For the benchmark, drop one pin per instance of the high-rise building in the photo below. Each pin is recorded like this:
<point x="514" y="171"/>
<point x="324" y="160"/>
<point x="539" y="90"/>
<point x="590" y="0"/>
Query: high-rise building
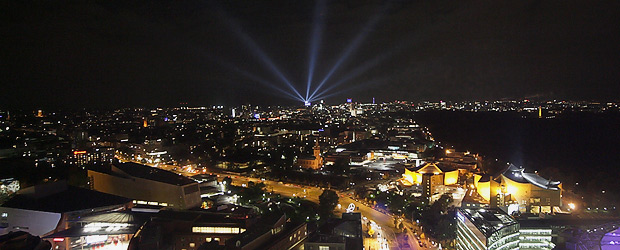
<point x="487" y="229"/>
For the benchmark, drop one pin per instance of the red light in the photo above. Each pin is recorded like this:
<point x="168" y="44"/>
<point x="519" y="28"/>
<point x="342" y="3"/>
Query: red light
<point x="59" y="239"/>
<point x="79" y="152"/>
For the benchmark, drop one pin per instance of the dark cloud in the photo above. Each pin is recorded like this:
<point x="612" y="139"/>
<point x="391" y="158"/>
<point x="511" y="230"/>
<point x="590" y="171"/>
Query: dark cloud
<point x="126" y="53"/>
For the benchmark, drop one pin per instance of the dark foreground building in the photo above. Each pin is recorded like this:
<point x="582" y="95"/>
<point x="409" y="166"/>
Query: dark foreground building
<point x="338" y="234"/>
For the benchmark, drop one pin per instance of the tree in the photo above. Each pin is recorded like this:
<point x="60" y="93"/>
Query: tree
<point x="396" y="204"/>
<point x="437" y="222"/>
<point x="445" y="230"/>
<point x="254" y="191"/>
<point x="441" y="205"/>
<point x="327" y="202"/>
<point x="340" y="167"/>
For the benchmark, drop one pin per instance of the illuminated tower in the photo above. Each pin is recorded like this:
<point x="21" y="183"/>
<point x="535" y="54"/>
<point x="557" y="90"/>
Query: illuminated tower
<point x="313" y="162"/>
<point x="317" y="155"/>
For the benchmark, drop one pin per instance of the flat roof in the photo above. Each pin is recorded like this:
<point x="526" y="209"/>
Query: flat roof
<point x="488" y="220"/>
<point x="128" y="217"/>
<point x="152" y="173"/>
<point x="64" y="198"/>
<point x="200" y="218"/>
<point x="78" y="231"/>
<point x="432" y="167"/>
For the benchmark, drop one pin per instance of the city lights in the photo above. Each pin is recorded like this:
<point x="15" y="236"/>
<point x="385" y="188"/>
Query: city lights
<point x="307" y="125"/>
<point x="572" y="206"/>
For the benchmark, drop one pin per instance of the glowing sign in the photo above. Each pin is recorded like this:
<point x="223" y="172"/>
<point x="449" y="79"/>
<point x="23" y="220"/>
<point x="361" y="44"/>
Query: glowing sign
<point x="351" y="208"/>
<point x="79" y="152"/>
<point x="307" y="103"/>
<point x="59" y="239"/>
<point x="349" y="100"/>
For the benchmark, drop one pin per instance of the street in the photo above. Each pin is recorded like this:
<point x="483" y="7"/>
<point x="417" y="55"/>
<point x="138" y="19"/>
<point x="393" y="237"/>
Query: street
<point x="384" y="222"/>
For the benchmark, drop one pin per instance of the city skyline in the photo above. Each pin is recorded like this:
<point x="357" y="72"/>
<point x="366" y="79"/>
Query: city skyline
<point x="317" y="125"/>
<point x="118" y="54"/>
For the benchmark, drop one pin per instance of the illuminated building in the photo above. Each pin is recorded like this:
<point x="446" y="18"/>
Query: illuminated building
<point x="461" y="160"/>
<point x="313" y="162"/>
<point x="188" y="229"/>
<point x="224" y="227"/>
<point x="270" y="232"/>
<point x="9" y="186"/>
<point x="147" y="185"/>
<point x="110" y="230"/>
<point x="430" y="176"/>
<point x="99" y="155"/>
<point x="611" y="240"/>
<point x="491" y="229"/>
<point x="80" y="158"/>
<point x="515" y="190"/>
<point x="539" y="112"/>
<point x="535" y="234"/>
<point x="49" y="210"/>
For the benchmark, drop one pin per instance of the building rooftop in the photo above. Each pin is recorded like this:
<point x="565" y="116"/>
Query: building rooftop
<point x="58" y="197"/>
<point x="114" y="217"/>
<point x="432" y="168"/>
<point x="488" y="221"/>
<point x="519" y="175"/>
<point x="347" y="230"/>
<point x="201" y="218"/>
<point x="264" y="225"/>
<point x="152" y="173"/>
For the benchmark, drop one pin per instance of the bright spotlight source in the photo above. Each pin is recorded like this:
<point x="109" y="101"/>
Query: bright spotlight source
<point x="571" y="206"/>
<point x="307" y="103"/>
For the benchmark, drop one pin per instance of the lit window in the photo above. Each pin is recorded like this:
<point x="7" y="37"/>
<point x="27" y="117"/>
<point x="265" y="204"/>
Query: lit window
<point x="218" y="230"/>
<point x="4" y="215"/>
<point x="323" y="247"/>
<point x="208" y="239"/>
<point x="192" y="244"/>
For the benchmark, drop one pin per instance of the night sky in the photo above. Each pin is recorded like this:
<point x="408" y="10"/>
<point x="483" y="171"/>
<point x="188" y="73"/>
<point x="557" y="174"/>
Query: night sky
<point x="58" y="54"/>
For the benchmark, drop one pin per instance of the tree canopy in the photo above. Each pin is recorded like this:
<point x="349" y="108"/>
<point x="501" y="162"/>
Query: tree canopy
<point x="327" y="202"/>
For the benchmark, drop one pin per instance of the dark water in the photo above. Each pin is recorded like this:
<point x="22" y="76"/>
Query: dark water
<point x="576" y="147"/>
